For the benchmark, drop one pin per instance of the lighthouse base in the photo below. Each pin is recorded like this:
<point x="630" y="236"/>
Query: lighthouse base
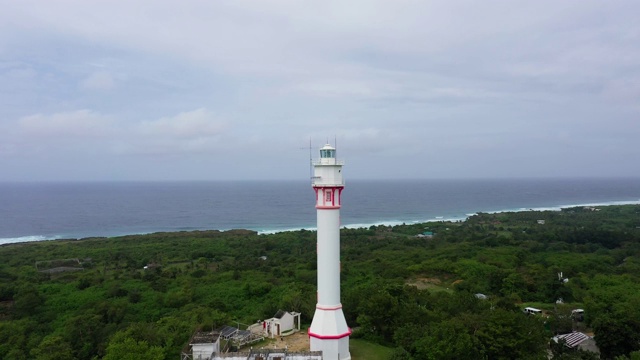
<point x="329" y="333"/>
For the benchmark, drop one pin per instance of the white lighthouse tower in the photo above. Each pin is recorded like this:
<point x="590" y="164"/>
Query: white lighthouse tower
<point x="329" y="332"/>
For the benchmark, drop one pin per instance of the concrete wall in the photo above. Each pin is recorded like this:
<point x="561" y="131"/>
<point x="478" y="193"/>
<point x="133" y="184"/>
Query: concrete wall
<point x="203" y="351"/>
<point x="286" y="322"/>
<point x="271" y="356"/>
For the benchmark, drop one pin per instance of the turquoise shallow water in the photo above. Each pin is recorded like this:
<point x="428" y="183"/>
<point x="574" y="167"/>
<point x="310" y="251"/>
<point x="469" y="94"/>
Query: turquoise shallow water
<point x="40" y="211"/>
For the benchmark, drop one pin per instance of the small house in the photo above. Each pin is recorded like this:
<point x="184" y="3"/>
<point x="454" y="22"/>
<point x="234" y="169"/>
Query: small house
<point x="281" y="324"/>
<point x="202" y="346"/>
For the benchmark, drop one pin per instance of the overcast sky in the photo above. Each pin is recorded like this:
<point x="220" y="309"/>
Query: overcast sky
<point x="218" y="90"/>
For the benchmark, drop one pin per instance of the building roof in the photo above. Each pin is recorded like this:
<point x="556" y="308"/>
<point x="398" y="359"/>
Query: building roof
<point x="279" y="314"/>
<point x="228" y="331"/>
<point x="572" y="339"/>
<point x="204" y="337"/>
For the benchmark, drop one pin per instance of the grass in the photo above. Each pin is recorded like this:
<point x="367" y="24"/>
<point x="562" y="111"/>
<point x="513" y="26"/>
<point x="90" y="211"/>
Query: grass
<point x="364" y="350"/>
<point x="436" y="288"/>
<point x="432" y="285"/>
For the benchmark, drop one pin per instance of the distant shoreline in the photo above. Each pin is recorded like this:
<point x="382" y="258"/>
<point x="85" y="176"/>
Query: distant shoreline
<point x="464" y="218"/>
<point x="41" y="239"/>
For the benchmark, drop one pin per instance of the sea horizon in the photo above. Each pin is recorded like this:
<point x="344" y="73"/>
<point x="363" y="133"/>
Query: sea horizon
<point x="40" y="211"/>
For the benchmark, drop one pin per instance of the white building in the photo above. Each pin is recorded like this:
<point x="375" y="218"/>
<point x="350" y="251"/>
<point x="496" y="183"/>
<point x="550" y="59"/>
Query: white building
<point x="206" y="346"/>
<point x="202" y="346"/>
<point x="283" y="323"/>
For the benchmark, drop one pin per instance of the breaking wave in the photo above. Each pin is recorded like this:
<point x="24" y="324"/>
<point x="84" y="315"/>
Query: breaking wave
<point x="27" y="239"/>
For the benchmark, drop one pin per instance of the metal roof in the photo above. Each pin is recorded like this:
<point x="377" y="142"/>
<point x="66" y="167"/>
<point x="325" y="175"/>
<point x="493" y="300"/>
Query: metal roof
<point x="227" y="331"/>
<point x="572" y="339"/>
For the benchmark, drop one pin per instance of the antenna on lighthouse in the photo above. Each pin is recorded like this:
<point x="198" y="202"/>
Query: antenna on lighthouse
<point x="310" y="159"/>
<point x="335" y="144"/>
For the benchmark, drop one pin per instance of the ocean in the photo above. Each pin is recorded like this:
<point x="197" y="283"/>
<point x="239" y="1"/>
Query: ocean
<point x="45" y="211"/>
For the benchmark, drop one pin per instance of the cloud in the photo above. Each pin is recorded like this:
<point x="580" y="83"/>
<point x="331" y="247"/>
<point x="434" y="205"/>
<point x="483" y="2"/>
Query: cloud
<point x="7" y="149"/>
<point x="77" y="124"/>
<point x="621" y="91"/>
<point x="187" y="132"/>
<point x="17" y="72"/>
<point x="87" y="131"/>
<point x="198" y="123"/>
<point x="335" y="88"/>
<point x="99" y="80"/>
<point x="458" y="83"/>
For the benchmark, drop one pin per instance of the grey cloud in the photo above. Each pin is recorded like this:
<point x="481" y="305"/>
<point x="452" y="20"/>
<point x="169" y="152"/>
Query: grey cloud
<point x="99" y="80"/>
<point x="489" y="88"/>
<point x="75" y="124"/>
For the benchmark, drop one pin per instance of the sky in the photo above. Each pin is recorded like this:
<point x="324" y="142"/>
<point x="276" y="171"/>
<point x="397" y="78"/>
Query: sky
<point x="239" y="89"/>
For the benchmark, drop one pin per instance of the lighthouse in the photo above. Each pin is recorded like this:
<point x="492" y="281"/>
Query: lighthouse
<point x="329" y="332"/>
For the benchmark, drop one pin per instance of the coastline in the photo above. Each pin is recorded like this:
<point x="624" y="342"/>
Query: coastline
<point x="466" y="216"/>
<point x="390" y="222"/>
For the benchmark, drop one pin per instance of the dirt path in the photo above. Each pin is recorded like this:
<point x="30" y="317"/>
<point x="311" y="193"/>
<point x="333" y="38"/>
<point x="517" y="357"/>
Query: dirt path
<point x="296" y="342"/>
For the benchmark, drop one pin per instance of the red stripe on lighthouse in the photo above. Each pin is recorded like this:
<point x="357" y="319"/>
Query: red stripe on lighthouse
<point x="330" y="337"/>
<point x="328" y="207"/>
<point x="329" y="308"/>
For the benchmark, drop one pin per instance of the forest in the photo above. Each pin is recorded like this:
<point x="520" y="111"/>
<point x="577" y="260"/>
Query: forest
<point x="142" y="296"/>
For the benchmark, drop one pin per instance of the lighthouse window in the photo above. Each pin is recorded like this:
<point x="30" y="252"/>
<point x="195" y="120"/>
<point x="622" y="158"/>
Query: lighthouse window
<point x="328" y="196"/>
<point x="327" y="154"/>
